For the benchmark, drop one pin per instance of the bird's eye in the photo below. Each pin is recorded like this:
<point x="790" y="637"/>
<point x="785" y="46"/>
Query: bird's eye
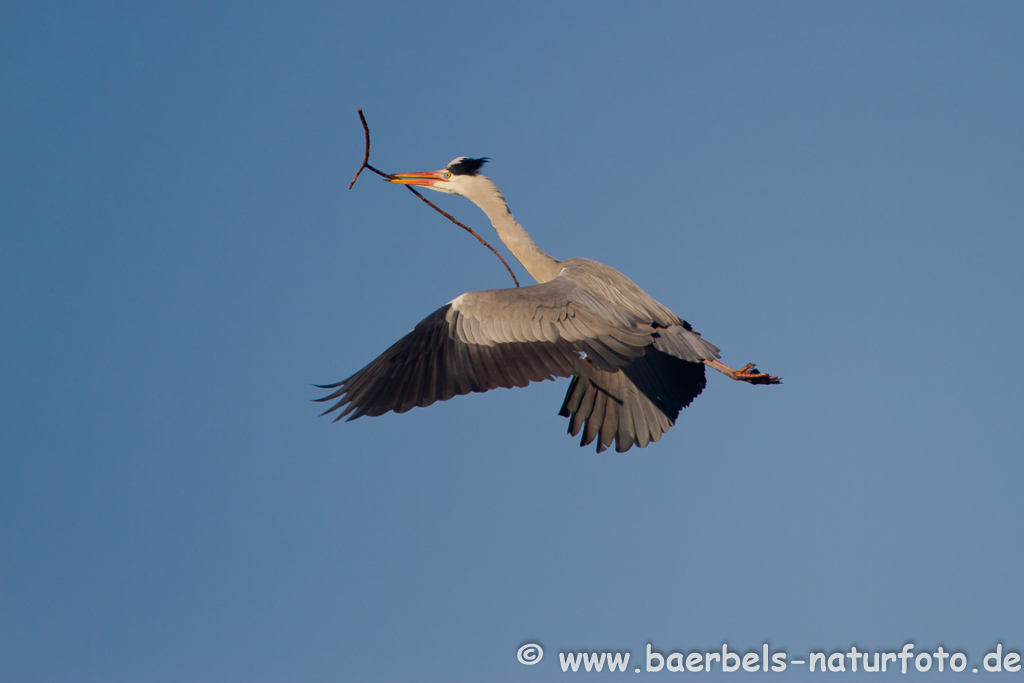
<point x="447" y="174"/>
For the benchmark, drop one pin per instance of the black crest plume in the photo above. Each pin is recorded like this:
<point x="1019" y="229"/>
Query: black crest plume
<point x="467" y="166"/>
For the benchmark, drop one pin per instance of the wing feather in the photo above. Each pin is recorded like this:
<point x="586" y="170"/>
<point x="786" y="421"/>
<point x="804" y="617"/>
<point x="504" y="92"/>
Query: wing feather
<point x="484" y="340"/>
<point x="635" y="405"/>
<point x="634" y="363"/>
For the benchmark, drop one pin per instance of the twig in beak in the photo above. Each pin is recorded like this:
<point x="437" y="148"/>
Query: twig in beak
<point x="366" y="164"/>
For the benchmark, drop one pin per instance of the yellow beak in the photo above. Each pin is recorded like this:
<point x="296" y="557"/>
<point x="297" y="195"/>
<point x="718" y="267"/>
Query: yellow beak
<point x="426" y="178"/>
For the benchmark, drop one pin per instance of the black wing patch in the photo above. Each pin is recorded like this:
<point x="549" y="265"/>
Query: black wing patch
<point x="635" y="405"/>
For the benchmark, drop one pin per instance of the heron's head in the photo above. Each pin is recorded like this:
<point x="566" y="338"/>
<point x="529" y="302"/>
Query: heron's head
<point x="461" y="176"/>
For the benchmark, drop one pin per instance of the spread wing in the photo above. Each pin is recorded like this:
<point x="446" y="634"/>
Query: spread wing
<point x="497" y="338"/>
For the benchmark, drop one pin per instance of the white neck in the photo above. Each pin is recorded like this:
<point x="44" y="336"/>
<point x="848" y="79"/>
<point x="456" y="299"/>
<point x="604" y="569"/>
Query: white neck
<point x="487" y="196"/>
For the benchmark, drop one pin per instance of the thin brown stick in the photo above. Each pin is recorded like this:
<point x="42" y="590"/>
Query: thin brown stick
<point x="366" y="164"/>
<point x="466" y="228"/>
<point x="366" y="156"/>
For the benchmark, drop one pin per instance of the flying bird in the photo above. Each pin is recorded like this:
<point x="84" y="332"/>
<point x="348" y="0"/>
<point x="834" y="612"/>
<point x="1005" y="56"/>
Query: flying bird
<point x="634" y="363"/>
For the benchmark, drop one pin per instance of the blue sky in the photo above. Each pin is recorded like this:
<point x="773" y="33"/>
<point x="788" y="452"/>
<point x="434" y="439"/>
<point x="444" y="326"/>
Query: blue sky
<point x="832" y="190"/>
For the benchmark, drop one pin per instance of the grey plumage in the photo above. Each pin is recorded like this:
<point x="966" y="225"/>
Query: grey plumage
<point x="634" y="363"/>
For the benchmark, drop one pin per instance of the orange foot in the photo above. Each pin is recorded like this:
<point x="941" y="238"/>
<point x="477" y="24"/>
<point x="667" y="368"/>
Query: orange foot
<point x="749" y="373"/>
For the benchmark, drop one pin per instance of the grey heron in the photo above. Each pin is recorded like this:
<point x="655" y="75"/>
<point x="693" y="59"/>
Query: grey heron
<point x="634" y="363"/>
